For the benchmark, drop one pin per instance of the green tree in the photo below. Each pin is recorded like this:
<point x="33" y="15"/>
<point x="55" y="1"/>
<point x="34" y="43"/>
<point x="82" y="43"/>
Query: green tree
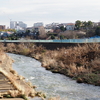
<point x="97" y="31"/>
<point x="28" y="31"/>
<point x="52" y="37"/>
<point x="84" y="24"/>
<point x="89" y="23"/>
<point x="62" y="28"/>
<point x="61" y="36"/>
<point x="78" y="24"/>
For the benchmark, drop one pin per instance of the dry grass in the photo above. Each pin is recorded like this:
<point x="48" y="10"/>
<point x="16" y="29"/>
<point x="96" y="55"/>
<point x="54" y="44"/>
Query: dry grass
<point x="73" y="34"/>
<point x="95" y="64"/>
<point x="72" y="61"/>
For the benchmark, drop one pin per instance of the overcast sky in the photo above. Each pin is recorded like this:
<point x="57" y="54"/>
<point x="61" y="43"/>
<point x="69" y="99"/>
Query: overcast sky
<point x="48" y="11"/>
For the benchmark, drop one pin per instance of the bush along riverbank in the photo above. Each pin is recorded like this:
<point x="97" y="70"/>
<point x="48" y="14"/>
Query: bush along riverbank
<point x="80" y="62"/>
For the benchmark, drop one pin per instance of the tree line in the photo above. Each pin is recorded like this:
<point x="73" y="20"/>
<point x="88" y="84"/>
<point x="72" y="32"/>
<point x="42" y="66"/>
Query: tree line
<point x="83" y="25"/>
<point x="88" y="25"/>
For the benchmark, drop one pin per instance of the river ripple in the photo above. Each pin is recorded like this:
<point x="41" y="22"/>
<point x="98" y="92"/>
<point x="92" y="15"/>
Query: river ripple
<point x="51" y="83"/>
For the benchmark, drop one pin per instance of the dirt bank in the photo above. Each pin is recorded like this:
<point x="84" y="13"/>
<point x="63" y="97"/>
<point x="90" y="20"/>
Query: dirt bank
<point x="13" y="85"/>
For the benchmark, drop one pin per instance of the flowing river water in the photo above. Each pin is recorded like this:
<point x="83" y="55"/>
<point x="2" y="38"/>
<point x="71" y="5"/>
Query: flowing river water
<point x="53" y="84"/>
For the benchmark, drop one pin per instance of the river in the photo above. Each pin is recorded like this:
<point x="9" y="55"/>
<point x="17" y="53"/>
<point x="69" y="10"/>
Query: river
<point x="53" y="84"/>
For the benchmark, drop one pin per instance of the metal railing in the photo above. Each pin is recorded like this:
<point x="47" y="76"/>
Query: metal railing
<point x="93" y="40"/>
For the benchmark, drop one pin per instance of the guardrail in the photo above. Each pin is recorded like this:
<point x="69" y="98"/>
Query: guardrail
<point x="94" y="40"/>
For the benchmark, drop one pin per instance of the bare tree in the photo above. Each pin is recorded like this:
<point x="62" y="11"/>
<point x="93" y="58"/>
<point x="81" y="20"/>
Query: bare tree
<point x="42" y="33"/>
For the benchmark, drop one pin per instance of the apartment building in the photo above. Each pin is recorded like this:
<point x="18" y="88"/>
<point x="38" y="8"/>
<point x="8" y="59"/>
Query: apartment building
<point x="13" y="24"/>
<point x="16" y="25"/>
<point x="2" y="27"/>
<point x="39" y="24"/>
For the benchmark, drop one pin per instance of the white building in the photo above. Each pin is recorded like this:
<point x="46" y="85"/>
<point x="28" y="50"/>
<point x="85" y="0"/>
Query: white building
<point x="48" y="30"/>
<point x="22" y="25"/>
<point x="70" y="26"/>
<point x="51" y="25"/>
<point x="16" y="25"/>
<point x="39" y="24"/>
<point x="13" y="24"/>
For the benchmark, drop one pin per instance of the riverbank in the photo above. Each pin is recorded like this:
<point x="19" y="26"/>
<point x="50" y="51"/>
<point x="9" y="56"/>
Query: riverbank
<point x="14" y="86"/>
<point x="80" y="62"/>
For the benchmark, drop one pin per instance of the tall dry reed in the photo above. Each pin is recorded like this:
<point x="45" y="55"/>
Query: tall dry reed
<point x="72" y="61"/>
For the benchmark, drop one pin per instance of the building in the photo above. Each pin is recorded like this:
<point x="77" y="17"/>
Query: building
<point x="95" y="24"/>
<point x="39" y="24"/>
<point x="22" y="25"/>
<point x="48" y="30"/>
<point x="70" y="26"/>
<point x="30" y="28"/>
<point x="2" y="27"/>
<point x="52" y="25"/>
<point x="17" y="25"/>
<point x="13" y="24"/>
<point x="56" y="26"/>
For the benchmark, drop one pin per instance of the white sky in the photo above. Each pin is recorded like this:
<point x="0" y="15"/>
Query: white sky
<point x="48" y="11"/>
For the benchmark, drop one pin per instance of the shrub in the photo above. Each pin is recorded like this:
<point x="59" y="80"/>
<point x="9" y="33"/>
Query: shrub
<point x="52" y="37"/>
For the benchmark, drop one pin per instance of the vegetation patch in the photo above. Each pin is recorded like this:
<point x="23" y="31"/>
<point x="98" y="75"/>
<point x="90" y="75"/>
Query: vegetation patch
<point x="80" y="62"/>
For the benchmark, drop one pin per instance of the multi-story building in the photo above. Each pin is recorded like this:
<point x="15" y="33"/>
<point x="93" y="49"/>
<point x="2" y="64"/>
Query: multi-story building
<point x="13" y="24"/>
<point x="2" y="27"/>
<point x="21" y="24"/>
<point x="16" y="25"/>
<point x="39" y="24"/>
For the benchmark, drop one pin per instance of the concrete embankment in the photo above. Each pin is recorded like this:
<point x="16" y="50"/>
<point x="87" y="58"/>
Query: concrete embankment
<point x="11" y="84"/>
